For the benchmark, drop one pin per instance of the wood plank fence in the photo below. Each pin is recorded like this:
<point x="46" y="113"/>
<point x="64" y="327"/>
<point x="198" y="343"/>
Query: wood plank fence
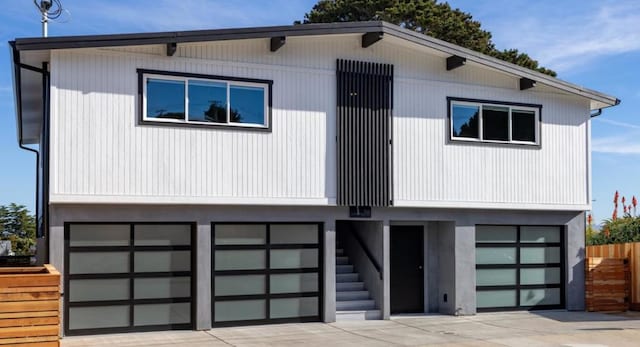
<point x="607" y="284"/>
<point x="630" y="251"/>
<point x="30" y="306"/>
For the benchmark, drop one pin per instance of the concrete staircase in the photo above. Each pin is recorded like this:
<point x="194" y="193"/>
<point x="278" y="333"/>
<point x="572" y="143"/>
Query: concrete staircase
<point x="353" y="301"/>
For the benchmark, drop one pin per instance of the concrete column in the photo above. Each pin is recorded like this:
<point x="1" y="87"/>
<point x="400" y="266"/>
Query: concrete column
<point x="202" y="246"/>
<point x="386" y="270"/>
<point x="446" y="278"/>
<point x="574" y="272"/>
<point x="465" y="270"/>
<point x="56" y="244"/>
<point x="329" y="271"/>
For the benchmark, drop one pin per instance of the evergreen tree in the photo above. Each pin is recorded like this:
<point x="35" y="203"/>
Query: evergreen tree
<point x="428" y="17"/>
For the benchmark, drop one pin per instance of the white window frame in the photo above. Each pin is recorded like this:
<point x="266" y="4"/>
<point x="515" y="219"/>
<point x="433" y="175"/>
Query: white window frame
<point x="510" y="107"/>
<point x="228" y="82"/>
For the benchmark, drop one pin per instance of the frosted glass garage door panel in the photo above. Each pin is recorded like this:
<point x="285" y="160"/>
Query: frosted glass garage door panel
<point x="98" y="262"/>
<point x="162" y="314"/>
<point x="539" y="255"/>
<point x="162" y="235"/>
<point x="239" y="285"/>
<point x="496" y="277"/>
<point x="539" y="234"/>
<point x="549" y="275"/>
<point x="496" y="298"/>
<point x="294" y="258"/>
<point x="240" y="260"/>
<point x="240" y="234"/>
<point x="81" y="235"/>
<point x="98" y="317"/>
<point x="162" y="261"/>
<point x="294" y="283"/>
<point x="162" y="288"/>
<point x="537" y="297"/>
<point x="496" y="234"/>
<point x="294" y="234"/>
<point x="226" y="311"/>
<point x="294" y="307"/>
<point x="98" y="290"/>
<point x="495" y="255"/>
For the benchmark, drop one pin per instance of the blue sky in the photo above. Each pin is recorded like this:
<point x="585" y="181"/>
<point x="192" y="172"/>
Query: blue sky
<point x="594" y="43"/>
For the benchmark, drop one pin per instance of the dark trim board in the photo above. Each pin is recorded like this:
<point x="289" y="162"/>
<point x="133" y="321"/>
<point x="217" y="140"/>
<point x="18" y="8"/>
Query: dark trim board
<point x="141" y="121"/>
<point x="451" y="140"/>
<point x="267" y="272"/>
<point x="131" y="275"/>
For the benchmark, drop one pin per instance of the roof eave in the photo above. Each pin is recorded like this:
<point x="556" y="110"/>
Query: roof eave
<point x="307" y="30"/>
<point x="497" y="64"/>
<point x="15" y="79"/>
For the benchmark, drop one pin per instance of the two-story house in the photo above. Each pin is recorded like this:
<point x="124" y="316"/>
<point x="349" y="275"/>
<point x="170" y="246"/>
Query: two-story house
<point x="301" y="173"/>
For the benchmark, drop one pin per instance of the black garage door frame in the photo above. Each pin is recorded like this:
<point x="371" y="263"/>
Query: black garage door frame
<point x="518" y="286"/>
<point x="131" y="275"/>
<point x="267" y="272"/>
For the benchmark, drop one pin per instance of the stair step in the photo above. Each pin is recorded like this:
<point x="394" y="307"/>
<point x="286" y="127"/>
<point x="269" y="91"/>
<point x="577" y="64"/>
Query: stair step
<point x="358" y="315"/>
<point x="341" y="278"/>
<point x="344" y="269"/>
<point x="352" y="295"/>
<point x="339" y="251"/>
<point x="355" y="305"/>
<point x="349" y="286"/>
<point x="342" y="260"/>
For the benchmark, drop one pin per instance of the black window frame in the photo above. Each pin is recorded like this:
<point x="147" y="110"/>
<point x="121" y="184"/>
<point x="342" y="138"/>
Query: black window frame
<point x="518" y="245"/>
<point x="131" y="275"/>
<point x="143" y="73"/>
<point x="511" y="105"/>
<point x="267" y="272"/>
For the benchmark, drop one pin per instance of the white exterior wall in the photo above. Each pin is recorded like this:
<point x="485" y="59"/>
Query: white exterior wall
<point x="100" y="154"/>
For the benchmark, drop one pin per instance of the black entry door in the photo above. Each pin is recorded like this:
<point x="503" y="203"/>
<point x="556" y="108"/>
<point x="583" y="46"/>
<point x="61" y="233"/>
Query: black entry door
<point x="407" y="274"/>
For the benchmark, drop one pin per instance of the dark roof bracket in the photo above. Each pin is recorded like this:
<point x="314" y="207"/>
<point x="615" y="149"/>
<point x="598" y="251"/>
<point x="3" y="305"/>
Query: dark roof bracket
<point x="277" y="42"/>
<point x="172" y="47"/>
<point x="526" y="83"/>
<point x="455" y="61"/>
<point x="370" y="38"/>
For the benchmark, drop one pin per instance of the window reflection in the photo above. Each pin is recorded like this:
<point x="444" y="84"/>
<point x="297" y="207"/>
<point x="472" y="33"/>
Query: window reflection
<point x="165" y="99"/>
<point x="207" y="101"/>
<point x="465" y="121"/>
<point x="247" y="104"/>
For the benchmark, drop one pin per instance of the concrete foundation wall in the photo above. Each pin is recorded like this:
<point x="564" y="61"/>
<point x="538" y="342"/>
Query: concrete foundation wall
<point x="450" y="244"/>
<point x="574" y="272"/>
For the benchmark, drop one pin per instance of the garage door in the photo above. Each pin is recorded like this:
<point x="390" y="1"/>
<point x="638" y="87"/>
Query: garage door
<point x="122" y="277"/>
<point x="519" y="267"/>
<point x="266" y="273"/>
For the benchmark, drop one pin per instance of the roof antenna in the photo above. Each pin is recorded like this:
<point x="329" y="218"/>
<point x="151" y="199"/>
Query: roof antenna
<point x="50" y="9"/>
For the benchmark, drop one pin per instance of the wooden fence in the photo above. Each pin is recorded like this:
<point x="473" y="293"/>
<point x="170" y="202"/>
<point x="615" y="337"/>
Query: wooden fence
<point x="630" y="251"/>
<point x="607" y="284"/>
<point x="30" y="306"/>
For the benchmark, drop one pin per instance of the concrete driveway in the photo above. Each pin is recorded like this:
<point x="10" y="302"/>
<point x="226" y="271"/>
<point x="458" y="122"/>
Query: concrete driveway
<point x="548" y="328"/>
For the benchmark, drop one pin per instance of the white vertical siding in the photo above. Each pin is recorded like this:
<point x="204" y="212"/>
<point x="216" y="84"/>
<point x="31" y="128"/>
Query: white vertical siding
<point x="430" y="170"/>
<point x="100" y="151"/>
<point x="101" y="154"/>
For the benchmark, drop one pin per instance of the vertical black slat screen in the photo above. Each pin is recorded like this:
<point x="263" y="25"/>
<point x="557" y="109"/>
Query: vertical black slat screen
<point x="364" y="113"/>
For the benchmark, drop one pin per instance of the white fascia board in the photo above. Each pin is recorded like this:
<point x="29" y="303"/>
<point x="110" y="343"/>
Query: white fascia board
<point x="171" y="200"/>
<point x="491" y="205"/>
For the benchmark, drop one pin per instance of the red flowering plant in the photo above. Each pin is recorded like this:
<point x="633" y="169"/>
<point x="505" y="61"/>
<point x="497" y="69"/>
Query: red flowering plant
<point x="617" y="229"/>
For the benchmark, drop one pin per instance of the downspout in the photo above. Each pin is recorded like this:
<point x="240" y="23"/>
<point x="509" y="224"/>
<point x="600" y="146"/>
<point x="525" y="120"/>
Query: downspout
<point x="17" y="73"/>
